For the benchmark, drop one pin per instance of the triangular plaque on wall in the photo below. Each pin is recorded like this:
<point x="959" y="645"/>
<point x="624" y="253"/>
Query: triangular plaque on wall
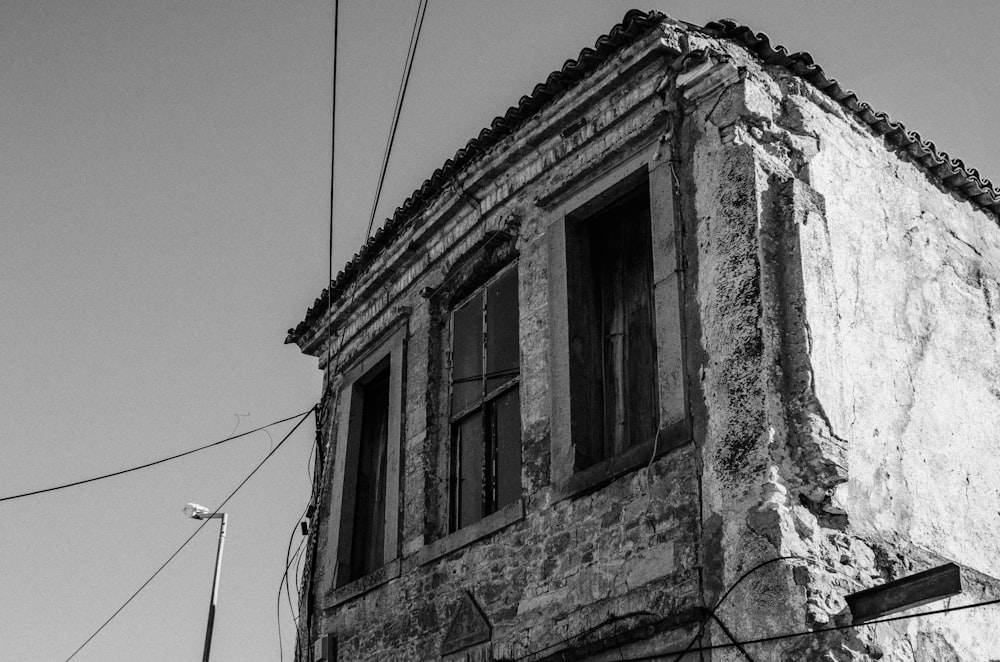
<point x="468" y="627"/>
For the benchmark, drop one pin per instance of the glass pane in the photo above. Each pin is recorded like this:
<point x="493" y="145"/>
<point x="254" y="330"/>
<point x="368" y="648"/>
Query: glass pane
<point x="507" y="425"/>
<point x="468" y="492"/>
<point x="467" y="354"/>
<point x="502" y="352"/>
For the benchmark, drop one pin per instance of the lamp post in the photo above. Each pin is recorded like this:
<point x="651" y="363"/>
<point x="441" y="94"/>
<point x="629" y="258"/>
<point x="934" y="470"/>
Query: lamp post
<point x="195" y="511"/>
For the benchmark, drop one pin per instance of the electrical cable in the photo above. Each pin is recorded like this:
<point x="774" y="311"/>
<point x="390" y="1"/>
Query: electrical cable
<point x="612" y="618"/>
<point x="150" y="464"/>
<point x="739" y="645"/>
<point x="299" y="557"/>
<point x="315" y="490"/>
<point x="191" y="537"/>
<point x="819" y="631"/>
<point x="329" y="295"/>
<point x="414" y="39"/>
<point x="325" y="411"/>
<point x="297" y="561"/>
<point x="284" y="578"/>
<point x="711" y="614"/>
<point x="291" y="558"/>
<point x="401" y="95"/>
<point x="314" y="457"/>
<point x="311" y="466"/>
<point x="397" y="110"/>
<point x="652" y="657"/>
<point x="327" y="458"/>
<point x="333" y="159"/>
<point x="288" y="552"/>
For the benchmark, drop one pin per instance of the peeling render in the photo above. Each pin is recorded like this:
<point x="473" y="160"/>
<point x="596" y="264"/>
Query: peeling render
<point x="856" y="426"/>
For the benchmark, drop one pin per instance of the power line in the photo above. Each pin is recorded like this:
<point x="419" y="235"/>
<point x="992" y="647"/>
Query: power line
<point x="739" y="644"/>
<point x="711" y="613"/>
<point x="191" y="537"/>
<point x="329" y="340"/>
<point x="297" y="560"/>
<point x="284" y="583"/>
<point x="149" y="464"/>
<point x="401" y="94"/>
<point x="806" y="633"/>
<point x="762" y="640"/>
<point x="333" y="163"/>
<point x="290" y="558"/>
<point x="327" y="407"/>
<point x="612" y="618"/>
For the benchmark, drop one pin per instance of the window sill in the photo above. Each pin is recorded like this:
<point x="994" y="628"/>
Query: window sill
<point x="489" y="525"/>
<point x="358" y="587"/>
<point x="592" y="478"/>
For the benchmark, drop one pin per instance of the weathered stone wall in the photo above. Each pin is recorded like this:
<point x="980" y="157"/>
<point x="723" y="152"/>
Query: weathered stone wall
<point x="841" y="351"/>
<point x="846" y="316"/>
<point x="560" y="571"/>
<point x="734" y="350"/>
<point x="901" y="300"/>
<point x="561" y="566"/>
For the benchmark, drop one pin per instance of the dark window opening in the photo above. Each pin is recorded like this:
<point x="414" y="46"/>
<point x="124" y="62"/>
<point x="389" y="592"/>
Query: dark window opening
<point x="613" y="400"/>
<point x="368" y="530"/>
<point x="325" y="649"/>
<point x="485" y="457"/>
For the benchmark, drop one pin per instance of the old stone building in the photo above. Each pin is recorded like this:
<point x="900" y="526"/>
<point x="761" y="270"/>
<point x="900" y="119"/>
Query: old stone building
<point x="689" y="307"/>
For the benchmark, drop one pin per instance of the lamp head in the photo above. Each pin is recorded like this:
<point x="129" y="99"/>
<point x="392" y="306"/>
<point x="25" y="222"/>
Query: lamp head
<point x="195" y="511"/>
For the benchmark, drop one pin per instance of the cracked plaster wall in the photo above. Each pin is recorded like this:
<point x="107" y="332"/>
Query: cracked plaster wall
<point x="901" y="309"/>
<point x="847" y="317"/>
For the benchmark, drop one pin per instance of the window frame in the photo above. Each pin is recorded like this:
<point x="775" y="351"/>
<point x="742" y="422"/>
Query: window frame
<point x="388" y="353"/>
<point x="587" y="201"/>
<point x="611" y="335"/>
<point x="486" y="397"/>
<point x="367" y="551"/>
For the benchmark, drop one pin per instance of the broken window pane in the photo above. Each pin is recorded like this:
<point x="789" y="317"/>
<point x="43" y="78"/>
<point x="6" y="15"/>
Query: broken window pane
<point x="468" y="500"/>
<point x="485" y="412"/>
<point x="502" y="352"/>
<point x="467" y="354"/>
<point x="505" y="431"/>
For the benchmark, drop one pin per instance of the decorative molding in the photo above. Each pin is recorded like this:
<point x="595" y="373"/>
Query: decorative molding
<point x="469" y="626"/>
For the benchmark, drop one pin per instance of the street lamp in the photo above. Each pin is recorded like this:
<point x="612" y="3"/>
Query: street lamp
<point x="195" y="511"/>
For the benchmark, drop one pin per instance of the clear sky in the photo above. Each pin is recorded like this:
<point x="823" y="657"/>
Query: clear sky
<point x="164" y="198"/>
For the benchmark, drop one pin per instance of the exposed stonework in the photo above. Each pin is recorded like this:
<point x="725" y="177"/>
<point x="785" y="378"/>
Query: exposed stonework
<point x="827" y="366"/>
<point x="874" y="313"/>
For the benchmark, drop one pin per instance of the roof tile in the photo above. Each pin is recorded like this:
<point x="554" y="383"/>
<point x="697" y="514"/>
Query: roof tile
<point x="952" y="173"/>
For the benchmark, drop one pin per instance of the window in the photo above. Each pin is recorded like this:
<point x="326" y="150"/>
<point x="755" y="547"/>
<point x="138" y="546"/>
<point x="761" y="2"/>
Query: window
<point x="365" y="504"/>
<point x="618" y="391"/>
<point x="612" y="343"/>
<point x="485" y="419"/>
<point x="368" y="531"/>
